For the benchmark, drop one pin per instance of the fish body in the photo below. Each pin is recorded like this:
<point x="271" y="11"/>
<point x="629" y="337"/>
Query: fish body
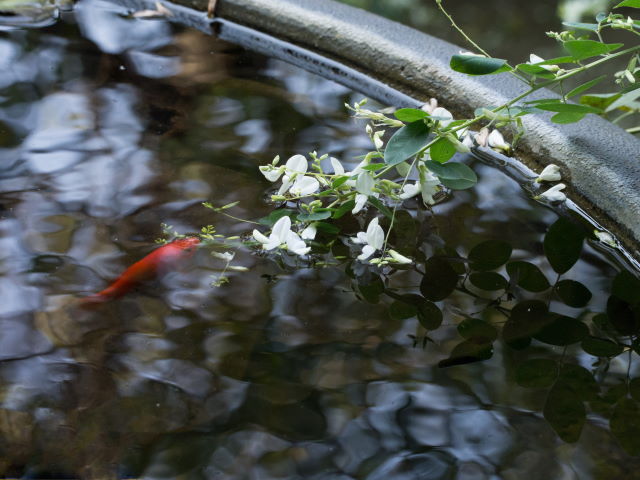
<point x="163" y="258"/>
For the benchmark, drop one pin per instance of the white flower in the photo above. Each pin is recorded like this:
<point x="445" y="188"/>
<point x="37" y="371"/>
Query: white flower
<point x="309" y="233"/>
<point x="409" y="190"/>
<point x="372" y="239"/>
<point x="467" y="140"/>
<point x="534" y="59"/>
<point x="338" y="169"/>
<point x="496" y="141"/>
<point x="551" y="173"/>
<point x="304" y="186"/>
<point x="554" y="194"/>
<point x="296" y="245"/>
<point x="429" y="186"/>
<point x="481" y="137"/>
<point x="444" y="116"/>
<point x="377" y="139"/>
<point x="361" y="201"/>
<point x="364" y="186"/>
<point x="281" y="234"/>
<point x="431" y="106"/>
<point x="271" y="173"/>
<point x="295" y="166"/>
<point x="399" y="258"/>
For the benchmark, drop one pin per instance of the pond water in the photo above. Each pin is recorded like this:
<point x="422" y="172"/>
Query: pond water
<point x="111" y="126"/>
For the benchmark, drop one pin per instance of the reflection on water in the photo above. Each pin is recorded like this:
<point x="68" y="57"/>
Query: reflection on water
<point x="106" y="134"/>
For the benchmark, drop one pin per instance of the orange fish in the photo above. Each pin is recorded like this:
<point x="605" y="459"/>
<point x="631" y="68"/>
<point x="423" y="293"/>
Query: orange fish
<point x="162" y="258"/>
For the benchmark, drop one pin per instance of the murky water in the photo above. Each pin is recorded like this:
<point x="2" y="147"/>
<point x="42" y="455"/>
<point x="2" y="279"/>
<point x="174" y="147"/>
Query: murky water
<point x="110" y="126"/>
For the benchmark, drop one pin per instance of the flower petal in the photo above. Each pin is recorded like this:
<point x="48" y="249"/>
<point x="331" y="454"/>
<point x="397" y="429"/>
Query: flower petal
<point x="281" y="229"/>
<point x="445" y="116"/>
<point x="554" y="194"/>
<point x="297" y="164"/>
<point x="309" y="233"/>
<point x="409" y="190"/>
<point x="361" y="201"/>
<point x="259" y="237"/>
<point x="367" y="251"/>
<point x="338" y="169"/>
<point x="296" y="245"/>
<point x="551" y="173"/>
<point x="272" y="174"/>
<point x="304" y="186"/>
<point x="375" y="234"/>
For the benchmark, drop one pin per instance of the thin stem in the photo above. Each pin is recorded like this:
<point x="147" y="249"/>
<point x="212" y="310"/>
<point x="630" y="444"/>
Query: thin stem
<point x="634" y="130"/>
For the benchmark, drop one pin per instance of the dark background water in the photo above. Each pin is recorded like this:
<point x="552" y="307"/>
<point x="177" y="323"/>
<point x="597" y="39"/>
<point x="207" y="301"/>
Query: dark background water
<point x="109" y="127"/>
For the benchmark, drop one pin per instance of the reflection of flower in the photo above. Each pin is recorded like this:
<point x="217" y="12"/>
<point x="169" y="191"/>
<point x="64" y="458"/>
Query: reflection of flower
<point x="605" y="237"/>
<point x="551" y="173"/>
<point x="281" y="234"/>
<point x="554" y="194"/>
<point x="372" y="239"/>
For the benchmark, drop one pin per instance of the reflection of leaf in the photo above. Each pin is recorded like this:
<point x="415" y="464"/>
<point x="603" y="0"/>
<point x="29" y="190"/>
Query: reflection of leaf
<point x="562" y="331"/>
<point x="488" y="281"/>
<point x="405" y="232"/>
<point x="625" y="425"/>
<point x="371" y="291"/>
<point x="562" y="244"/>
<point x="439" y="280"/>
<point x="276" y="215"/>
<point x="468" y="351"/>
<point x="401" y="310"/>
<point x="580" y="380"/>
<point x="428" y="313"/>
<point x="565" y="412"/>
<point x="406" y="142"/>
<point x="528" y="276"/>
<point x="601" y="347"/>
<point x="626" y="286"/>
<point x="537" y="373"/>
<point x="622" y="316"/>
<point x="634" y="388"/>
<point x="489" y="255"/>
<point x="526" y="319"/>
<point x="573" y="293"/>
<point x="473" y="328"/>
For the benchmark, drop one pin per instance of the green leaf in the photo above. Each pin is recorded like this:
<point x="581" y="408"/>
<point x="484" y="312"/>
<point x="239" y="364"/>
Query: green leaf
<point x="573" y="293"/>
<point x="406" y="142"/>
<point x="625" y="424"/>
<point x="581" y="49"/>
<point x="565" y="412"/>
<point x="563" y="244"/>
<point x="476" y="65"/>
<point x="339" y="181"/>
<point x="599" y="100"/>
<point x="344" y="208"/>
<point x="489" y="255"/>
<point x="440" y="279"/>
<point x="381" y="208"/>
<point x="410" y="114"/>
<point x="585" y="86"/>
<point x="489" y="281"/>
<point x="629" y="3"/>
<point x="276" y="215"/>
<point x="374" y="167"/>
<point x="479" y="330"/>
<point x="327" y="228"/>
<point x="536" y="71"/>
<point x="626" y="286"/>
<point x="309" y="217"/>
<point x="580" y="380"/>
<point x="468" y="351"/>
<point x="527" y="276"/>
<point x="567" y="108"/>
<point x="442" y="150"/>
<point x="601" y="347"/>
<point x="537" y="373"/>
<point x="625" y="100"/>
<point x="592" y="27"/>
<point x="454" y="175"/>
<point x="564" y="118"/>
<point x="562" y="331"/>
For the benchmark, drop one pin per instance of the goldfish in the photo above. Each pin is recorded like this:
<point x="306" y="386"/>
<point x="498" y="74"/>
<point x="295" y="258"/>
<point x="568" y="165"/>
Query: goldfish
<point x="160" y="259"/>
